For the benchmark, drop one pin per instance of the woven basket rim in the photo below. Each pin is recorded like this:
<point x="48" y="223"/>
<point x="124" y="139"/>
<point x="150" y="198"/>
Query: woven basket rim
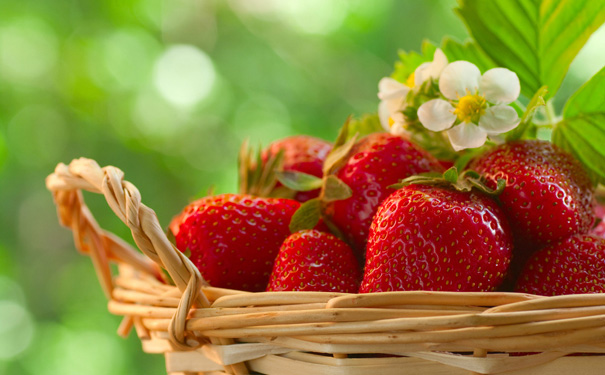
<point x="190" y="313"/>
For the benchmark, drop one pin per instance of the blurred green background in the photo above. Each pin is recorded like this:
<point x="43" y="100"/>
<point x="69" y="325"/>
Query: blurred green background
<point x="167" y="91"/>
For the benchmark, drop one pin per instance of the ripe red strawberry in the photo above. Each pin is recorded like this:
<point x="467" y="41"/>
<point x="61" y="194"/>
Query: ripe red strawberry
<point x="572" y="266"/>
<point x="234" y="238"/>
<point x="377" y="161"/>
<point x="548" y="195"/>
<point x="434" y="238"/>
<point x="302" y="153"/>
<point x="311" y="260"/>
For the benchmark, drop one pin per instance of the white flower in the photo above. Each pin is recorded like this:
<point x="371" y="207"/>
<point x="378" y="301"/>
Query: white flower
<point x="478" y="103"/>
<point x="430" y="70"/>
<point x="393" y="94"/>
<point x="398" y="124"/>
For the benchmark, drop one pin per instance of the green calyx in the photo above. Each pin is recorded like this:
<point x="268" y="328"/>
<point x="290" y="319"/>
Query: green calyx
<point x="464" y="182"/>
<point x="260" y="178"/>
<point x="332" y="188"/>
<point x="309" y="213"/>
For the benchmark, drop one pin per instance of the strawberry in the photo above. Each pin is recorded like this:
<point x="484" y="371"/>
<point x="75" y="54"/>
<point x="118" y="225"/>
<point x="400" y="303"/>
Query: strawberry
<point x="234" y="238"/>
<point x="437" y="238"/>
<point x="548" y="195"/>
<point x="311" y="260"/>
<point x="302" y="153"/>
<point x="376" y="162"/>
<point x="573" y="265"/>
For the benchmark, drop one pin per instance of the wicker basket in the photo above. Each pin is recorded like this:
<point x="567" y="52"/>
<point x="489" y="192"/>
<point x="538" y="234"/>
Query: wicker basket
<point x="206" y="330"/>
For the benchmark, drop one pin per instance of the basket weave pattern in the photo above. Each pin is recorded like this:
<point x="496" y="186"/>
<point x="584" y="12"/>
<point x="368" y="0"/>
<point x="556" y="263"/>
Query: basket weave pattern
<point x="207" y="330"/>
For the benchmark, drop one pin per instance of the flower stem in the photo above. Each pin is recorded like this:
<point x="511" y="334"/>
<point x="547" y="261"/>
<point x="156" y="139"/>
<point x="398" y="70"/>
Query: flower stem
<point x="550" y="114"/>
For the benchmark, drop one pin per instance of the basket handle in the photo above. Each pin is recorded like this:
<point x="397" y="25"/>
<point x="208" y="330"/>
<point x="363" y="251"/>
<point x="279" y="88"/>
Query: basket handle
<point x="66" y="185"/>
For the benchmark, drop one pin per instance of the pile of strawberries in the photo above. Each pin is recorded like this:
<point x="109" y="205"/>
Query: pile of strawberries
<point x="382" y="214"/>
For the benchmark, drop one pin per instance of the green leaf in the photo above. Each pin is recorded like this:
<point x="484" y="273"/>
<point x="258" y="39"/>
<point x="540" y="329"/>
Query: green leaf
<point x="536" y="102"/>
<point x="582" y="131"/>
<point x="469" y="51"/>
<point x="299" y="181"/>
<point x="584" y="137"/>
<point x="409" y="61"/>
<point x="367" y="124"/>
<point x="537" y="39"/>
<point x="307" y="216"/>
<point x="335" y="190"/>
<point x="589" y="98"/>
<point x="343" y="134"/>
<point x="451" y="175"/>
<point x="338" y="156"/>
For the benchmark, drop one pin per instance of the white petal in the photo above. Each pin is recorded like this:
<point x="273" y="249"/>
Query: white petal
<point x="436" y="115"/>
<point x="395" y="105"/>
<point x="430" y="70"/>
<point x="388" y="88"/>
<point x="439" y="63"/>
<point x="383" y="115"/>
<point x="500" y="86"/>
<point x="421" y="73"/>
<point x="466" y="135"/>
<point x="398" y="127"/>
<point x="458" y="78"/>
<point x="398" y="117"/>
<point x="499" y="119"/>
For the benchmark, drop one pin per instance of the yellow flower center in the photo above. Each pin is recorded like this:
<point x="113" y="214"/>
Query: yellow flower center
<point x="391" y="122"/>
<point x="410" y="81"/>
<point x="470" y="108"/>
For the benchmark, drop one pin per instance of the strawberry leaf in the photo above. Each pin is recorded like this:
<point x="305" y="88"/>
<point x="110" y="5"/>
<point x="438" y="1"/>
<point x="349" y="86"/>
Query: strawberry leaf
<point x="451" y="175"/>
<point x="343" y="134"/>
<point x="537" y="39"/>
<point x="469" y="51"/>
<point x="584" y="136"/>
<point x="582" y="130"/>
<point x="335" y="189"/>
<point x="589" y="98"/>
<point x="338" y="156"/>
<point x="299" y="181"/>
<point x="409" y="61"/>
<point x="307" y="216"/>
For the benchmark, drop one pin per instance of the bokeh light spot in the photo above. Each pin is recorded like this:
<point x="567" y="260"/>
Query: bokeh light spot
<point x="154" y="117"/>
<point x="10" y="290"/>
<point x="184" y="75"/>
<point x="16" y="329"/>
<point x="60" y="350"/>
<point x="314" y="16"/>
<point x="124" y="58"/>
<point x="29" y="50"/>
<point x="307" y="16"/>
